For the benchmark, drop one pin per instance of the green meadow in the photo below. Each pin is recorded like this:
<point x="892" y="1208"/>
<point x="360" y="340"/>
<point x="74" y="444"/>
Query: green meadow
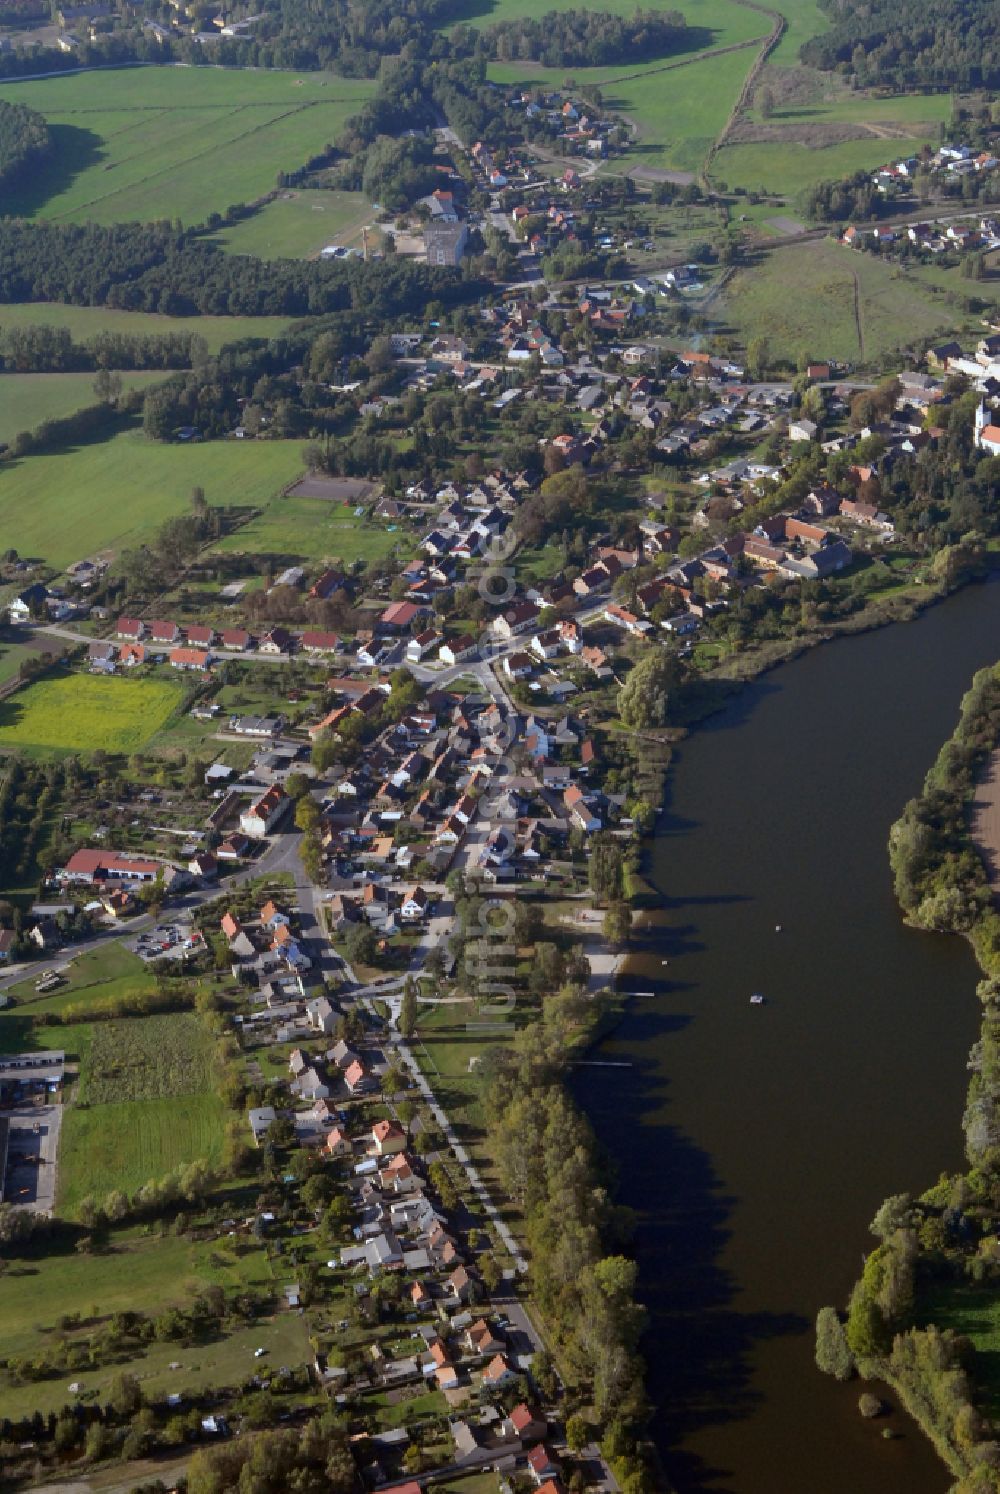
<point x="83" y="713"/>
<point x="64" y="505"/>
<point x="298" y="224"/>
<point x="802" y="299"/>
<point x="85" y="322"/>
<point x="896" y="127"/>
<point x="26" y="400"/>
<point x="316" y="530"/>
<point x="163" y="142"/>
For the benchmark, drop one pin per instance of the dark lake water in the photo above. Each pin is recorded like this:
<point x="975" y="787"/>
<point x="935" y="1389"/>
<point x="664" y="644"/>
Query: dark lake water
<point x="757" y="1142"/>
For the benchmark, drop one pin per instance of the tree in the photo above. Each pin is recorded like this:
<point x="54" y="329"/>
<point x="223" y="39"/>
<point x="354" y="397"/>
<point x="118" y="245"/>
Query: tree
<point x="408" y="1008"/>
<point x="124" y="1395"/>
<point x="833" y="1355"/>
<point x="643" y="698"/>
<point x="617" y="922"/>
<point x="578" y="1432"/>
<point x="758" y="357"/>
<point x="360" y="944"/>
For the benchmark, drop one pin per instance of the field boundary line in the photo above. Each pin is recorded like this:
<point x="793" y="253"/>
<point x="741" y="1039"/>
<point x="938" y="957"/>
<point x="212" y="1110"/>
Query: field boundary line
<point x="777" y="31"/>
<point x="666" y="67"/>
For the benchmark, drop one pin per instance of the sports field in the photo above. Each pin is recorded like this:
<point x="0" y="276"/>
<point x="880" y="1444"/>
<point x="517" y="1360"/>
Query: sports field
<point x="826" y="301"/>
<point x="86" y="713"/>
<point x="28" y="399"/>
<point x="165" y="142"/>
<point x="299" y="224"/>
<point x="85" y="322"/>
<point x="62" y="506"/>
<point x="316" y="530"/>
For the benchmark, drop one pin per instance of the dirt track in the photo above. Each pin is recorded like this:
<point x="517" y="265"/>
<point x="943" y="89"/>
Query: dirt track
<point x="985" y="820"/>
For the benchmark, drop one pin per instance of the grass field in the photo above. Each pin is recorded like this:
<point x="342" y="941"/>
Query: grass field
<point x="145" y="1105"/>
<point x="149" y="1273"/>
<point x="802" y="299"/>
<point x="152" y="143"/>
<point x="896" y="127"/>
<point x="299" y="224"/>
<point x="65" y="505"/>
<point x="125" y="1144"/>
<point x="147" y="1058"/>
<point x="28" y="399"/>
<point x="85" y="322"/>
<point x="316" y="530"/>
<point x="84" y="713"/>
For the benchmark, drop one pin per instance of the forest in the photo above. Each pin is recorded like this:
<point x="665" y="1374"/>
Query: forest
<point x="586" y="38"/>
<point x="905" y="44"/>
<point x="24" y="141"/>
<point x="137" y="267"/>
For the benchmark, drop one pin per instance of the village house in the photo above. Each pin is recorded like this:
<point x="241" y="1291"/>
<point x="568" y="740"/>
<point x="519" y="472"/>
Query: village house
<point x="264" y="814"/>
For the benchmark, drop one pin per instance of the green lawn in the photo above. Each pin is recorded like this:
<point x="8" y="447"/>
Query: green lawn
<point x="153" y="143"/>
<point x="299" y="224"/>
<point x="801" y="298"/>
<point x="316" y="530"/>
<point x="28" y="399"/>
<point x="14" y="651"/>
<point x="63" y="506"/>
<point x="85" y="322"/>
<point x="804" y="20"/>
<point x="84" y="712"/>
<point x="127" y="1143"/>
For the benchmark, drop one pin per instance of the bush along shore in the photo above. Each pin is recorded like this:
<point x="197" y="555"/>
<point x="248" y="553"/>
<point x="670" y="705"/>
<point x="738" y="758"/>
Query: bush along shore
<point x="937" y="1264"/>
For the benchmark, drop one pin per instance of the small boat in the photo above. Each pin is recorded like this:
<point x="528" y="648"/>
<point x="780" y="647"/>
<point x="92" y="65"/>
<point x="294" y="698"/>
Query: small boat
<point x="664" y="962"/>
<point x="756" y="999"/>
<point x="777" y="928"/>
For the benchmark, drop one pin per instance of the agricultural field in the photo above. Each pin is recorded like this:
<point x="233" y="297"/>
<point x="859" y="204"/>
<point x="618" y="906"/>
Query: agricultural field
<point x="62" y="506"/>
<point x="828" y="301"/>
<point x="315" y="529"/>
<point x="298" y="224"/>
<point x="85" y="322"/>
<point x="180" y="143"/>
<point x="85" y="713"/>
<point x="28" y="399"/>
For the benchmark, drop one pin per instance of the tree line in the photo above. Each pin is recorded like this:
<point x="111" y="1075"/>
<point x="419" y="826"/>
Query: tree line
<point x="37" y="349"/>
<point x="153" y="267"/>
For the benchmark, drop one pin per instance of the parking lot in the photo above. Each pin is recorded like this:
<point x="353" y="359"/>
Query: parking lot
<point x="169" y="941"/>
<point x="32" y="1157"/>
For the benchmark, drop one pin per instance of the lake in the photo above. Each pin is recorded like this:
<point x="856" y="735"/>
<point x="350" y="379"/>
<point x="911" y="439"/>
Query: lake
<point x="756" y="1142"/>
